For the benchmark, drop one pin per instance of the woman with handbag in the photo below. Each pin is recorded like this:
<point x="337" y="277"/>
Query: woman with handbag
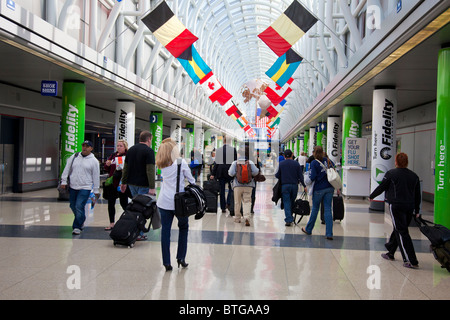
<point x="166" y="161"/>
<point x="322" y="191"/>
<point x="114" y="166"/>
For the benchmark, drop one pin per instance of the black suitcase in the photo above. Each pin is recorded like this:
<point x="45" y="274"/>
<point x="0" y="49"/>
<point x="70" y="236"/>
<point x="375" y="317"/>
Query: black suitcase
<point x="127" y="228"/>
<point x="211" y="201"/>
<point x="212" y="186"/>
<point x="439" y="237"/>
<point x="338" y="208"/>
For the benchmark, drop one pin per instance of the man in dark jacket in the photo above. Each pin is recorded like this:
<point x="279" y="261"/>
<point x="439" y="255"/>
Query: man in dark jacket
<point x="290" y="175"/>
<point x="225" y="156"/>
<point x="402" y="193"/>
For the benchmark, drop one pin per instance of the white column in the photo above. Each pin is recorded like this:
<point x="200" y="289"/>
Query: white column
<point x="384" y="146"/>
<point x="125" y="122"/>
<point x="334" y="139"/>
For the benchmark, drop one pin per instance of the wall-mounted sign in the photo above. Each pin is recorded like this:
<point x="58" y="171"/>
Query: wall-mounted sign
<point x="49" y="88"/>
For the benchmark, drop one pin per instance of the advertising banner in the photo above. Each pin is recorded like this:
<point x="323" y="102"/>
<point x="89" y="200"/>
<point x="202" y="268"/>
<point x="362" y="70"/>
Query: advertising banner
<point x="384" y="147"/>
<point x="334" y="139"/>
<point x="442" y="165"/>
<point x="125" y="122"/>
<point x="73" y="119"/>
<point x="351" y="126"/>
<point x="156" y="128"/>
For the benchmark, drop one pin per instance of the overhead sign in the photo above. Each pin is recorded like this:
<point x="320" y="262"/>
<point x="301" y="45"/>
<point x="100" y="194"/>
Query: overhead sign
<point x="49" y="88"/>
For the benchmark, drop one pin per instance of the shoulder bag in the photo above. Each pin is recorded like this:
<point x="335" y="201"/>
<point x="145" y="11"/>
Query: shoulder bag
<point x="185" y="202"/>
<point x="332" y="175"/>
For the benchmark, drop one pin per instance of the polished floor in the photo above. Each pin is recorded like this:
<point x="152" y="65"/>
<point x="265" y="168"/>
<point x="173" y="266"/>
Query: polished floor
<point x="40" y="259"/>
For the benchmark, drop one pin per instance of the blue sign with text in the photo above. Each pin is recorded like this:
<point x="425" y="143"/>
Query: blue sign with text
<point x="49" y="88"/>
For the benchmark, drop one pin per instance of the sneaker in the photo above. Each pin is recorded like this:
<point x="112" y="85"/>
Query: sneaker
<point x="141" y="238"/>
<point x="288" y="224"/>
<point x="388" y="256"/>
<point x="247" y="223"/>
<point x="76" y="231"/>
<point x="411" y="266"/>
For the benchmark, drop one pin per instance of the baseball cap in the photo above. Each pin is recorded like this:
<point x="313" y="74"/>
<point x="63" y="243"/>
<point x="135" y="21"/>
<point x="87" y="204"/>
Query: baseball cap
<point x="89" y="143"/>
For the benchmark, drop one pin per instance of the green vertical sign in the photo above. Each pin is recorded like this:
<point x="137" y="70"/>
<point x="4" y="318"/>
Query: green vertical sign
<point x="351" y="126"/>
<point x="442" y="164"/>
<point x="156" y="128"/>
<point x="72" y="119"/>
<point x="306" y="142"/>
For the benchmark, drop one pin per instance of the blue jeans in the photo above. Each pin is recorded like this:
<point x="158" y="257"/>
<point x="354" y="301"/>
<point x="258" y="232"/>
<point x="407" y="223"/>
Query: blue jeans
<point x="166" y="225"/>
<point x="224" y="202"/>
<point x="327" y="196"/>
<point x="78" y="200"/>
<point x="289" y="194"/>
<point x="135" y="190"/>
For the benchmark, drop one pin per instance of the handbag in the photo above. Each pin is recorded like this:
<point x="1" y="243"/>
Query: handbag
<point x="185" y="202"/>
<point x="301" y="207"/>
<point x="276" y="190"/>
<point x="61" y="190"/>
<point x="259" y="177"/>
<point x="333" y="177"/>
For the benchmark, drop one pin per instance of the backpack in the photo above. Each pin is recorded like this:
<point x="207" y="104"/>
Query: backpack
<point x="243" y="172"/>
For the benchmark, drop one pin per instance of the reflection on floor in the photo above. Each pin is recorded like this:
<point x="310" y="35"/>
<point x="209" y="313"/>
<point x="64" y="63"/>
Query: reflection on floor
<point x="40" y="259"/>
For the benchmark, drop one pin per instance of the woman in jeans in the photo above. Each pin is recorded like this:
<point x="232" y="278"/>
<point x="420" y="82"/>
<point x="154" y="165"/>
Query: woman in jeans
<point x="322" y="191"/>
<point x="166" y="161"/>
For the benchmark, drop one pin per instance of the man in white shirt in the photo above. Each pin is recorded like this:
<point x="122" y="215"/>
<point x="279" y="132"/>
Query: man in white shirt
<point x="302" y="161"/>
<point x="84" y="177"/>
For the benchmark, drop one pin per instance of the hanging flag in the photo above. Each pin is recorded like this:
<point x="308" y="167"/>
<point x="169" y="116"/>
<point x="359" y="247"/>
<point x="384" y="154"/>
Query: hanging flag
<point x="169" y="30"/>
<point x="262" y="123"/>
<point x="271" y="112"/>
<point x="234" y="112"/>
<point x="277" y="94"/>
<point x="284" y="68"/>
<point x="275" y="123"/>
<point x="214" y="90"/>
<point x="194" y="65"/>
<point x="288" y="28"/>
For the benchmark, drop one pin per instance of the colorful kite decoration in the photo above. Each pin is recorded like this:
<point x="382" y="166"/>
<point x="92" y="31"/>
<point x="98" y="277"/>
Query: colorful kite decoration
<point x="288" y="28"/>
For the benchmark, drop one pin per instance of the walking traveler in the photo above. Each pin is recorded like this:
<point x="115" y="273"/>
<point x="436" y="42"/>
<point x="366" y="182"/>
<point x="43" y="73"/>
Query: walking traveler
<point x="243" y="170"/>
<point x="166" y="160"/>
<point x="114" y="166"/>
<point x="84" y="177"/>
<point x="139" y="170"/>
<point x="290" y="175"/>
<point x="322" y="191"/>
<point x="225" y="156"/>
<point x="402" y="193"/>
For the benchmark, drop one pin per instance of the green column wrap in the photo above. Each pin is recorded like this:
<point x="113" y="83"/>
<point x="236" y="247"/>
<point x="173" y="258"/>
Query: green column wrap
<point x="442" y="163"/>
<point x="306" y="142"/>
<point x="73" y="118"/>
<point x="156" y="128"/>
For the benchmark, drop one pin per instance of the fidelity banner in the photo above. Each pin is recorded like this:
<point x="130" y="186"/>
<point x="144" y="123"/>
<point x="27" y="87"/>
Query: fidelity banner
<point x="384" y="145"/>
<point x="334" y="138"/>
<point x="125" y="122"/>
<point x="73" y="119"/>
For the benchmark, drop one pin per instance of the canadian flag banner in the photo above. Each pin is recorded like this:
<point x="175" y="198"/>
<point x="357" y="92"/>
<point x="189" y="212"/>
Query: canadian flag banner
<point x="214" y="90"/>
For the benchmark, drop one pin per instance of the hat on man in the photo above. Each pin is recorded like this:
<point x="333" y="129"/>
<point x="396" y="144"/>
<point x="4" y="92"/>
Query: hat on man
<point x="89" y="143"/>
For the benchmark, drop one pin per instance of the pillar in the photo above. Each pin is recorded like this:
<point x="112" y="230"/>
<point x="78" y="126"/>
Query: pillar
<point x="384" y="146"/>
<point x="334" y="138"/>
<point x="125" y="122"/>
<point x="73" y="119"/>
<point x="442" y="170"/>
<point x="175" y="130"/>
<point x="156" y="128"/>
<point x="312" y="140"/>
<point x="306" y="143"/>
<point x="351" y="125"/>
<point x="321" y="135"/>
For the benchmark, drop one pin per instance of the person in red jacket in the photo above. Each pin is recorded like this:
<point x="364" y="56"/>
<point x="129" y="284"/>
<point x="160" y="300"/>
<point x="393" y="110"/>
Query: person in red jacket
<point x="402" y="193"/>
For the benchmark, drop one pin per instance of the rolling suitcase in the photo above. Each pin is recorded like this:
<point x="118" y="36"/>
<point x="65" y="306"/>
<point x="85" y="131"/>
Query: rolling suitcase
<point x="211" y="201"/>
<point x="338" y="208"/>
<point x="212" y="186"/>
<point x="127" y="228"/>
<point x="301" y="208"/>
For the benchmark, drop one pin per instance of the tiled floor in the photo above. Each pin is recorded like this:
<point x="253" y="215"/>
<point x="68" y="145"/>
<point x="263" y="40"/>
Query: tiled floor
<point x="40" y="259"/>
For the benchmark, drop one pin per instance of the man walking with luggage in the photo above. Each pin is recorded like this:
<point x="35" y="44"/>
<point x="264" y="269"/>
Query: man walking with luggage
<point x="402" y="193"/>
<point x="225" y="156"/>
<point x="290" y="176"/>
<point x="139" y="169"/>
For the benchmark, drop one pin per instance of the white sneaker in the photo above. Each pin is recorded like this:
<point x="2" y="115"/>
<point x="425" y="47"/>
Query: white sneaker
<point x="76" y="231"/>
